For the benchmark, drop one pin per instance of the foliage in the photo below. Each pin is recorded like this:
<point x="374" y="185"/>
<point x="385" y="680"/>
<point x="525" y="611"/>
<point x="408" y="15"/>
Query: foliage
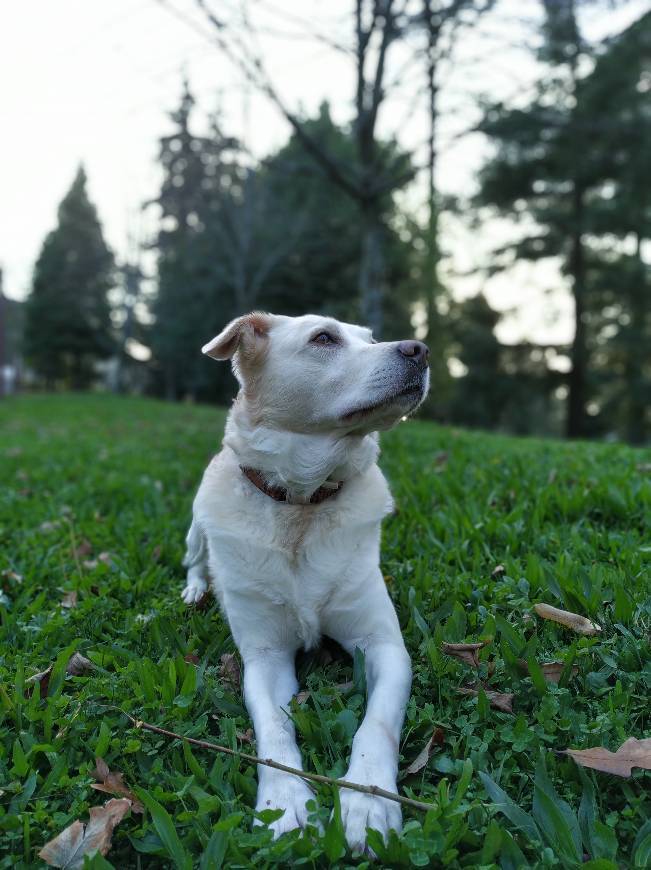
<point x="278" y="236"/>
<point x="572" y="169"/>
<point x="486" y="528"/>
<point x="67" y="322"/>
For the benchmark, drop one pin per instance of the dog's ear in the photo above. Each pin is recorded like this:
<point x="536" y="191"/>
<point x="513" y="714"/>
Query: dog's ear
<point x="248" y="334"/>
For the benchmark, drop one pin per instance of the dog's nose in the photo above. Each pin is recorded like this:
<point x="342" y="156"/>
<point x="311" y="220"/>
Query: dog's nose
<point x="418" y="351"/>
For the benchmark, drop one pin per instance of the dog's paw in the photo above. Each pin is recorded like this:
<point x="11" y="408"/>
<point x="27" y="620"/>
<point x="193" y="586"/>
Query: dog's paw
<point x="361" y="811"/>
<point x="284" y="792"/>
<point x="194" y="590"/>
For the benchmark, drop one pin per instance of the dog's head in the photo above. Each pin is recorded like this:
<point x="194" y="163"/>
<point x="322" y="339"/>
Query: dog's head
<point x="316" y="374"/>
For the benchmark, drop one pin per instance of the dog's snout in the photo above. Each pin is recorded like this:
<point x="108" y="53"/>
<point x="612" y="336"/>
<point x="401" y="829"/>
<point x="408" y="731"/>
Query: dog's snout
<point x="417" y="351"/>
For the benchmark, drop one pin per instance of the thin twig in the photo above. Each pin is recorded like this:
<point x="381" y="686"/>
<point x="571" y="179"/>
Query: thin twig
<point x="269" y="762"/>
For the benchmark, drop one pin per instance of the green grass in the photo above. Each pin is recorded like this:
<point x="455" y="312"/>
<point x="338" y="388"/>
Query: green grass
<point x="568" y="522"/>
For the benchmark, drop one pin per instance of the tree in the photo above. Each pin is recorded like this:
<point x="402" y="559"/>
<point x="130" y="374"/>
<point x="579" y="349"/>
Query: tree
<point x="370" y="173"/>
<point x="68" y="316"/>
<point x="616" y="93"/>
<point x="191" y="303"/>
<point x="479" y="396"/>
<point x="320" y="272"/>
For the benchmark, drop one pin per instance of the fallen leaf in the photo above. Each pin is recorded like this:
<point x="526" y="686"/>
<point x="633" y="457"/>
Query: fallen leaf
<point x="500" y="700"/>
<point x="245" y="736"/>
<point x="577" y="623"/>
<point x="82" y="549"/>
<point x="43" y="680"/>
<point x="191" y="659"/>
<point x="11" y="576"/>
<point x="79" y="665"/>
<point x="69" y="600"/>
<point x="498" y="570"/>
<point x="112" y="782"/>
<point x="77" y="840"/>
<point x="437" y="739"/>
<point x="467" y="652"/>
<point x="229" y="670"/>
<point x="632" y="753"/>
<point x="76" y="667"/>
<point x="344" y="688"/>
<point x="551" y="671"/>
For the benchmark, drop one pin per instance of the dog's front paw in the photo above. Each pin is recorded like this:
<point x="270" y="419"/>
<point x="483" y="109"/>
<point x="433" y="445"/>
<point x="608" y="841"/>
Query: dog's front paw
<point x="284" y="792"/>
<point x="194" y="590"/>
<point x="360" y="811"/>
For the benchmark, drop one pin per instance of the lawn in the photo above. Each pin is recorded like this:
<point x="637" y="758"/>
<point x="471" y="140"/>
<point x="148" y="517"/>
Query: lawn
<point x="94" y="505"/>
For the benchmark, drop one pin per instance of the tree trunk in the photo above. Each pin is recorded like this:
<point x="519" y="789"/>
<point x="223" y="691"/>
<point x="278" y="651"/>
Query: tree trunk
<point x="636" y="354"/>
<point x="372" y="270"/>
<point x="432" y="256"/>
<point x="576" y="400"/>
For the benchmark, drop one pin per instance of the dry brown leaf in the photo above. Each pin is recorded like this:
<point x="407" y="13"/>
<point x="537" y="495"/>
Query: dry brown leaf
<point x="632" y="753"/>
<point x="437" y="739"/>
<point x="344" y="688"/>
<point x="68" y="849"/>
<point x="79" y="665"/>
<point x="43" y="680"/>
<point x="84" y="548"/>
<point x="69" y="600"/>
<point x="245" y="736"/>
<point x="112" y="782"/>
<point x="551" y="671"/>
<point x="229" y="670"/>
<point x="76" y="667"/>
<point x="500" y="700"/>
<point x="467" y="652"/>
<point x="577" y="623"/>
<point x="191" y="659"/>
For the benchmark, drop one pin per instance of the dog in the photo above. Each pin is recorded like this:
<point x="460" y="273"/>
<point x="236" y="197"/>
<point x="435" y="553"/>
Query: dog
<point x="286" y="523"/>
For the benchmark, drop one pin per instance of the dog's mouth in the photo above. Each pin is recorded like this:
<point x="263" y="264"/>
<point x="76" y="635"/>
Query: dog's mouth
<point x="405" y="400"/>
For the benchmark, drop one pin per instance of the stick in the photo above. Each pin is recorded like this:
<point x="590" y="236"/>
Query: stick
<point x="269" y="762"/>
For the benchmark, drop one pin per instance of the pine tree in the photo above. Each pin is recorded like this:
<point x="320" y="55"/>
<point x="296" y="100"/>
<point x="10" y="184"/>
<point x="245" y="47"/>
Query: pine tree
<point x="192" y="302"/>
<point x="617" y="94"/>
<point x="68" y="322"/>
<point x="545" y="174"/>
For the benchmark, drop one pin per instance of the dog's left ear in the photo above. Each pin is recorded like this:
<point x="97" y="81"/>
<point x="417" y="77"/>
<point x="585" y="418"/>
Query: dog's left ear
<point x="246" y="334"/>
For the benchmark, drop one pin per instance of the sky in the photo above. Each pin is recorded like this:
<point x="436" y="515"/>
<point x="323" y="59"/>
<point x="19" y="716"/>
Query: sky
<point x="93" y="82"/>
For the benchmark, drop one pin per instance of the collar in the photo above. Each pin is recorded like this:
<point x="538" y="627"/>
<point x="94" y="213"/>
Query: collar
<point x="279" y="493"/>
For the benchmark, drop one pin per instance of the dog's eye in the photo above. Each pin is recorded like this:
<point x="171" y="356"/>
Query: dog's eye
<point x="323" y="338"/>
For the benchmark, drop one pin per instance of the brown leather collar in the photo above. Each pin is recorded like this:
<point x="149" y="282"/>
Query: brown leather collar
<point x="278" y="493"/>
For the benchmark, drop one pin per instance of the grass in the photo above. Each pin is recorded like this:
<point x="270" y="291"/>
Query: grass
<point x="95" y="499"/>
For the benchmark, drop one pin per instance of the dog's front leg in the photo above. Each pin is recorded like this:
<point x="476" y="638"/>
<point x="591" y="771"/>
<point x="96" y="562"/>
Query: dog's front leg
<point x="269" y="684"/>
<point x="374" y="758"/>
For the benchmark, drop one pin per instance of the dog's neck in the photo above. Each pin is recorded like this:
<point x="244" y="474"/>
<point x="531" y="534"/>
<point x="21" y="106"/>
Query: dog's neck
<point x="299" y="463"/>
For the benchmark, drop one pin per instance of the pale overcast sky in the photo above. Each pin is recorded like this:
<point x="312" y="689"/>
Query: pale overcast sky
<point x="92" y="81"/>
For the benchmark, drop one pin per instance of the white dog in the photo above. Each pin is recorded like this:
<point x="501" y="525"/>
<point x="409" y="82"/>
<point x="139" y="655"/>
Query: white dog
<point x="286" y="522"/>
